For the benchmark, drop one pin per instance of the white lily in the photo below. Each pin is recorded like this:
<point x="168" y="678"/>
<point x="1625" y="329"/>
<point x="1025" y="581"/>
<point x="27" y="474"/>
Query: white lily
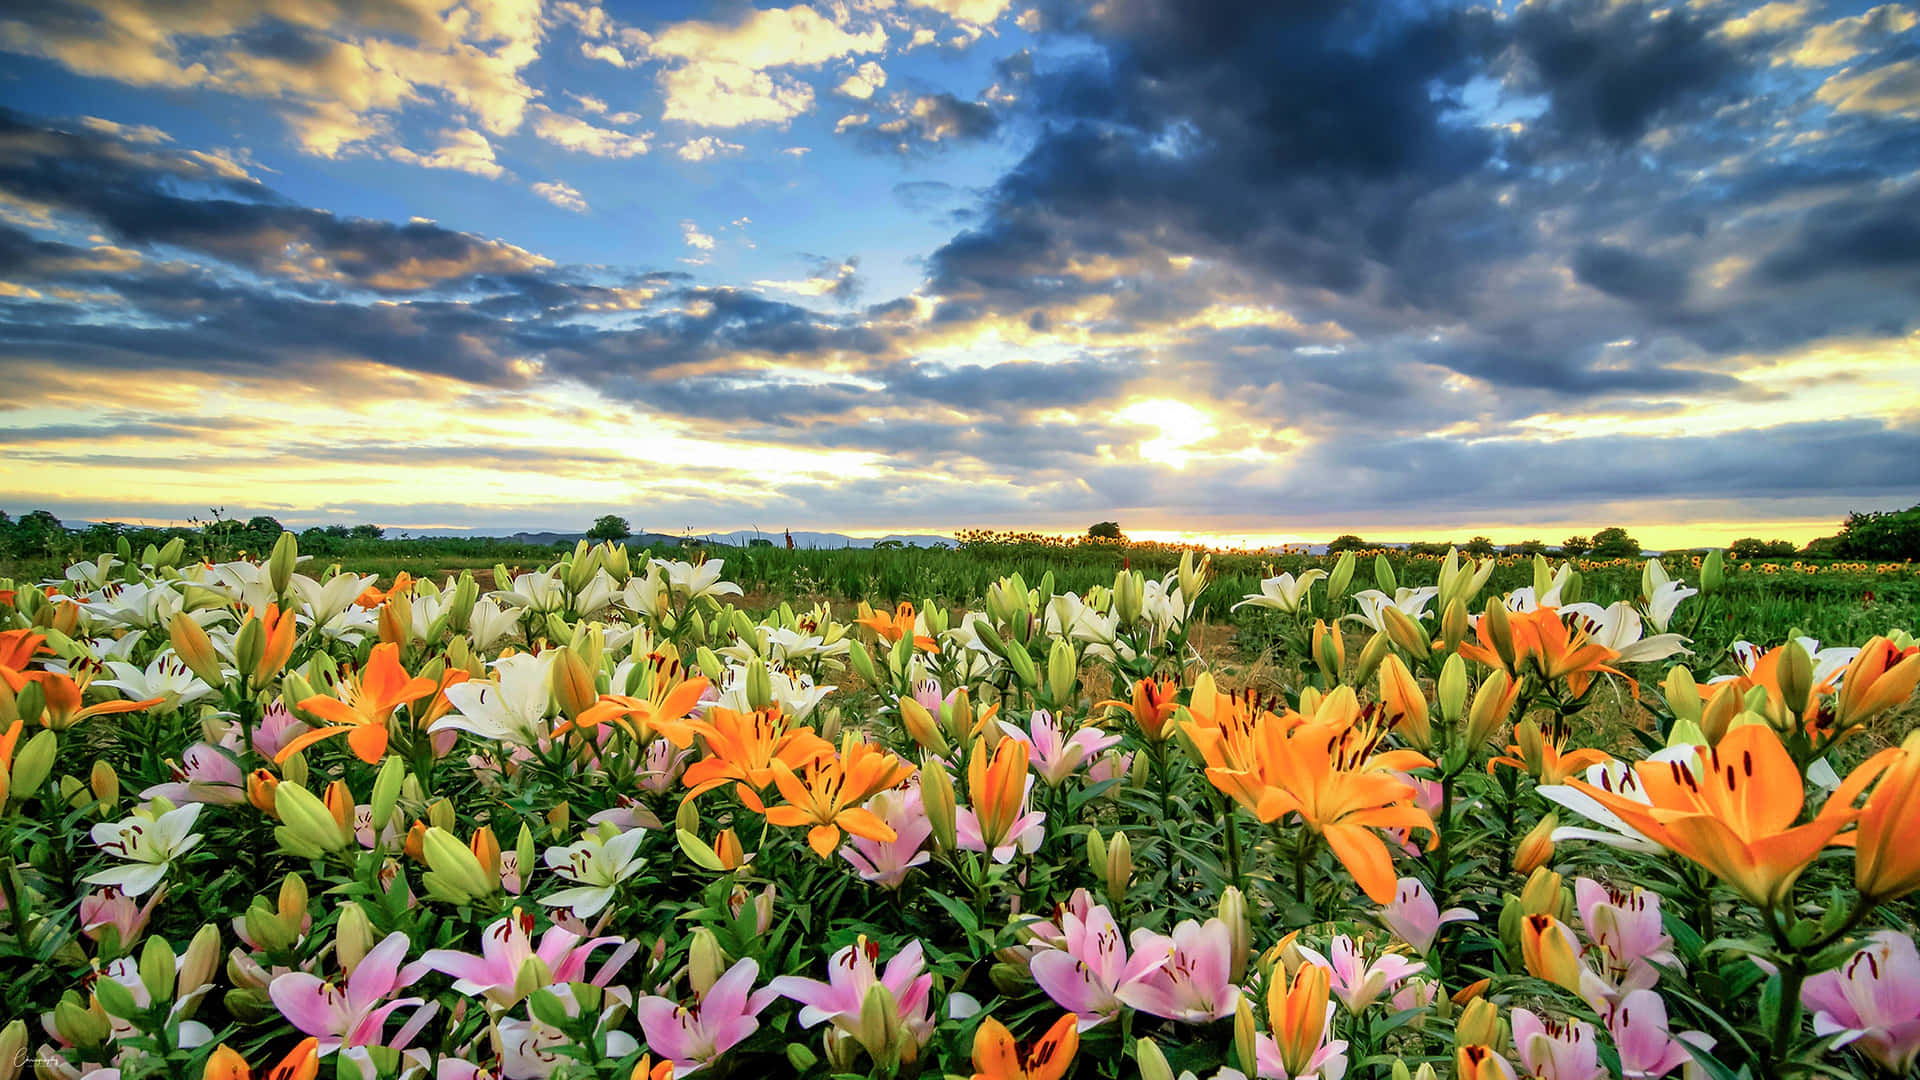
<point x="597" y="865"/>
<point x="248" y="584"/>
<point x="794" y="691"/>
<point x="490" y="623"/>
<point x="966" y="634"/>
<point x="165" y="677"/>
<point x="145" y="605"/>
<point x="1283" y="591"/>
<point x="148" y="843"/>
<point x="324" y="601"/>
<point x="647" y="594"/>
<point x="92" y="575"/>
<point x="120" y="648"/>
<point x="597" y="595"/>
<point x="1665" y="597"/>
<point x="1617" y="627"/>
<point x="535" y="591"/>
<point x="1410" y="602"/>
<point x="1618" y="777"/>
<point x="1829" y="663"/>
<point x="510" y="708"/>
<point x="1164" y="606"/>
<point x="691" y="582"/>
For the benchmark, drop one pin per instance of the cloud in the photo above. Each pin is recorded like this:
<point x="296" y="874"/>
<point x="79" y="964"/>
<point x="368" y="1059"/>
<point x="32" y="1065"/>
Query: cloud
<point x="838" y="280"/>
<point x="723" y="75"/>
<point x="1839" y="42"/>
<point x="1893" y="88"/>
<point x="864" y="82"/>
<point x="342" y="70"/>
<point x="561" y="195"/>
<point x="575" y="134"/>
<point x="706" y="147"/>
<point x="462" y="149"/>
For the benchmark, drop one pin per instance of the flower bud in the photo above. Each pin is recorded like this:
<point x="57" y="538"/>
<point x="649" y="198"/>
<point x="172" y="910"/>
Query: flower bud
<point x="13" y="1048"/>
<point x="454" y="874"/>
<point x="286" y="555"/>
<point x="34" y="762"/>
<point x="1062" y="672"/>
<point x="1545" y="895"/>
<point x="573" y="683"/>
<point x="191" y="645"/>
<point x="1794" y="675"/>
<point x="1023" y="667"/>
<point x="1371" y="654"/>
<point x="156" y="969"/>
<point x="1341" y="577"/>
<point x="1329" y="650"/>
<point x="1119" y="867"/>
<point x="104" y="783"/>
<point x="1536" y="848"/>
<point x="1683" y="694"/>
<point x="1406" y="704"/>
<point x="386" y="792"/>
<point x="936" y="797"/>
<point x="706" y="961"/>
<point x="1153" y="1063"/>
<point x="77" y="1025"/>
<point x="197" y="966"/>
<point x="1713" y="573"/>
<point x="1233" y="912"/>
<point x="249" y="645"/>
<point x="1479" y="1023"/>
<point x="353" y="936"/>
<point x="1245" y="1035"/>
<point x="308" y="828"/>
<point x="921" y="727"/>
<point x="1405" y="632"/>
<point x="1453" y="625"/>
<point x="1450" y="690"/>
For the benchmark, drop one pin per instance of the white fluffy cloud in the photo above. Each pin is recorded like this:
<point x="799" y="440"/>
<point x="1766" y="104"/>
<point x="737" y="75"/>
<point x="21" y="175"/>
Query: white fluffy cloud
<point x="725" y="75"/>
<point x="463" y="150"/>
<point x="561" y="195"/>
<point x="706" y="147"/>
<point x="573" y="133"/>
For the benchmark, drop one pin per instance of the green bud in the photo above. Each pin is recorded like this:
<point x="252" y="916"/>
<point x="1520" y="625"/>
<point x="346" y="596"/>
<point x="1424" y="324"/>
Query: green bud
<point x="706" y="961"/>
<point x="1341" y="577"/>
<point x="386" y="791"/>
<point x="1383" y="575"/>
<point x="1023" y="668"/>
<point x="454" y="874"/>
<point x="34" y="762"/>
<point x="1795" y="675"/>
<point x="802" y="1059"/>
<point x="156" y="969"/>
<point x="13" y="1037"/>
<point x="353" y="936"/>
<point x="1450" y="692"/>
<point x="1713" y="573"/>
<point x="759" y="684"/>
<point x="286" y="554"/>
<point x="1062" y="672"/>
<point x="307" y="826"/>
<point x="1245" y="1036"/>
<point x="82" y="1027"/>
<point x="1153" y="1063"/>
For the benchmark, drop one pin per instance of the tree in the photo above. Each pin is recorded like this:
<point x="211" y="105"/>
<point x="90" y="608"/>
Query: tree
<point x="1575" y="545"/>
<point x="610" y="527"/>
<point x="1887" y="534"/>
<point x="1346" y="542"/>
<point x="1479" y="546"/>
<point x="1526" y="547"/>
<point x="1613" y="542"/>
<point x="1751" y="547"/>
<point x="1106" y="530"/>
<point x="366" y="532"/>
<point x="264" y="525"/>
<point x="37" y="533"/>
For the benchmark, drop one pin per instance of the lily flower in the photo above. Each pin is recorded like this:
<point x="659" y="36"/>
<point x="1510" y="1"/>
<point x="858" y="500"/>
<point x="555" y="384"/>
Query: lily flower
<point x="885" y="863"/>
<point x="1648" y="1049"/>
<point x="509" y="708"/>
<point x="1731" y="809"/>
<point x="1616" y="777"/>
<point x="1300" y="1015"/>
<point x="1088" y="974"/>
<point x="1538" y="755"/>
<point x="1415" y="919"/>
<point x="689" y="582"/>
<point x="1057" y="758"/>
<point x="149" y="842"/>
<point x="1283" y="591"/>
<point x="506" y="948"/>
<point x="1153" y="704"/>
<point x="1357" y="983"/>
<point x="596" y="864"/>
<point x="1872" y="1002"/>
<point x="901" y="622"/>
<point x="995" y="1057"/>
<point x="1617" y="627"/>
<point x="19" y="647"/>
<point x="1886" y="865"/>
<point x="63" y="694"/>
<point x="996" y="818"/>
<point x="533" y="1049"/>
<point x="1556" y="1049"/>
<point x="1628" y="935"/>
<point x="829" y="797"/>
<point x="166" y="680"/>
<point x="355" y="1014"/>
<point x="1194" y="983"/>
<point x="370" y="696"/>
<point x="110" y="908"/>
<point x="667" y="695"/>
<point x="694" y="1036"/>
<point x="1541" y="640"/>
<point x="490" y="623"/>
<point x="1410" y="602"/>
<point x="1662" y="602"/>
<point x="742" y="747"/>
<point x="793" y="691"/>
<point x="851" y="973"/>
<point x="324" y="602"/>
<point x="204" y="774"/>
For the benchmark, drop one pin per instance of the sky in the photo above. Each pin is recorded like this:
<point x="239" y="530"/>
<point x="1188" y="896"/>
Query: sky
<point x="1246" y="269"/>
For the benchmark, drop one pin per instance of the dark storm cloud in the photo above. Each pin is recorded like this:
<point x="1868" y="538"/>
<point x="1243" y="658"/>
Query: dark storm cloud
<point x="1630" y="275"/>
<point x="1614" y="69"/>
<point x="1873" y="235"/>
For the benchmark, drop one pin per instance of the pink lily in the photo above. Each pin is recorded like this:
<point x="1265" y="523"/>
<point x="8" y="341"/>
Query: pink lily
<point x="1556" y="1050"/>
<point x="505" y="951"/>
<point x="850" y="974"/>
<point x="1638" y="1025"/>
<point x="1087" y="975"/>
<point x="354" y="1015"/>
<point x="1357" y="983"/>
<point x="1872" y="1002"/>
<point x="693" y="1037"/>
<point x="927" y="693"/>
<point x="661" y="766"/>
<point x="203" y="775"/>
<point x="1193" y="984"/>
<point x="1627" y="934"/>
<point x="886" y="863"/>
<point x="1055" y="755"/>
<point x="276" y="728"/>
<point x="1023" y="835"/>
<point x="531" y="1049"/>
<point x="111" y="908"/>
<point x="1415" y="919"/>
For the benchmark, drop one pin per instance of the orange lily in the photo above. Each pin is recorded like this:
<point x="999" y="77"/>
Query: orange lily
<point x="829" y="797"/>
<point x="303" y="1063"/>
<point x="1539" y="756"/>
<point x="1886" y="863"/>
<point x="8" y="742"/>
<point x="18" y="648"/>
<point x="894" y="625"/>
<point x="1297" y="1015"/>
<point x="1329" y="773"/>
<point x="1732" y="811"/>
<point x="1881" y="677"/>
<point x="1478" y="1062"/>
<point x="742" y="747"/>
<point x="648" y="1069"/>
<point x="1541" y="636"/>
<point x="996" y="788"/>
<point x="667" y="696"/>
<point x="440" y="705"/>
<point x="64" y="694"/>
<point x="373" y="596"/>
<point x="370" y="696"/>
<point x="1152" y="706"/>
<point x="995" y="1057"/>
<point x="278" y="632"/>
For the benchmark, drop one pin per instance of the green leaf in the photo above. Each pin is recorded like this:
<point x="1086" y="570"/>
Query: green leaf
<point x="961" y="913"/>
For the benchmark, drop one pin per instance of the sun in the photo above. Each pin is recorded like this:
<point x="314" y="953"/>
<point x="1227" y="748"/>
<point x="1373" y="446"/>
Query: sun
<point x="1181" y="426"/>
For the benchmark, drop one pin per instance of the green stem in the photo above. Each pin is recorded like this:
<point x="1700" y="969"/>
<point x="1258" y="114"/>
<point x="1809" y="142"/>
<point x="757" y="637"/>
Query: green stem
<point x="1233" y="840"/>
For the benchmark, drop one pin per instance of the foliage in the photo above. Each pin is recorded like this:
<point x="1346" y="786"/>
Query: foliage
<point x="1614" y="543"/>
<point x="1892" y="534"/>
<point x="1346" y="542"/>
<point x="1754" y="548"/>
<point x="610" y="527"/>
<point x="1105" y="530"/>
<point x="1576" y="545"/>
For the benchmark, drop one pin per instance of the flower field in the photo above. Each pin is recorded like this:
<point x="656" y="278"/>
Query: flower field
<point x="268" y="818"/>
